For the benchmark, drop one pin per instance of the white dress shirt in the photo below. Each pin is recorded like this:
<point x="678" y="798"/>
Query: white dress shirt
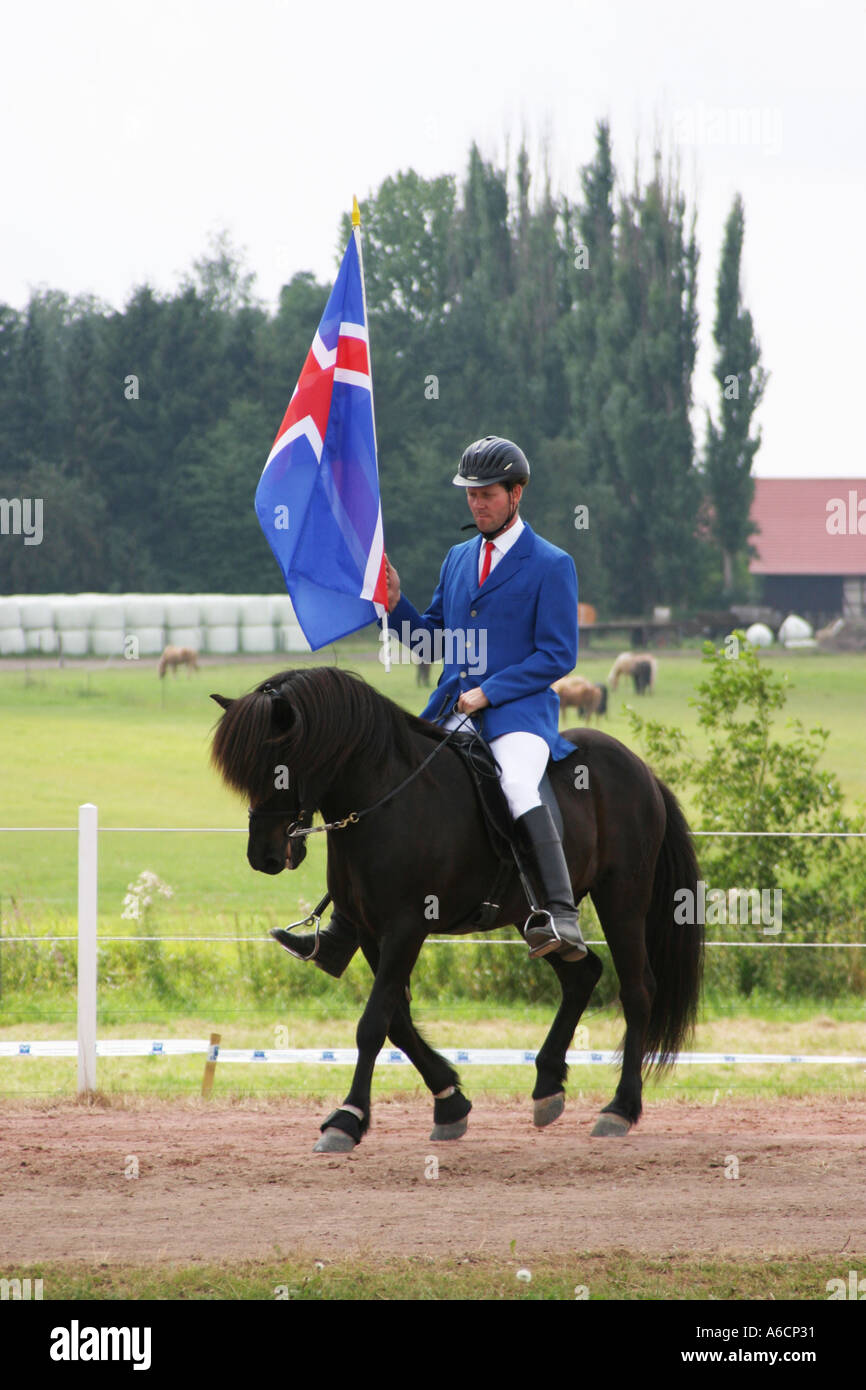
<point x="501" y="546"/>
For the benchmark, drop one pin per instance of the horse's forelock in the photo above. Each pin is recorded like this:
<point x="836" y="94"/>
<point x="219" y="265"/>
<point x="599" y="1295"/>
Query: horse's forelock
<point x="336" y="714"/>
<point x="244" y="745"/>
<point x="343" y="715"/>
<point x="329" y="715"/>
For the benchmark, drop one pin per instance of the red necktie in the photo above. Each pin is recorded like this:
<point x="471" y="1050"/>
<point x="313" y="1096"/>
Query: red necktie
<point x="485" y="568"/>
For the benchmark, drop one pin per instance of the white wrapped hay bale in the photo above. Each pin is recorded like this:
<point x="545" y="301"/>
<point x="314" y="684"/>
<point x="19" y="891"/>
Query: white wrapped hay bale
<point x="150" y="640"/>
<point x="185" y="637"/>
<point x="72" y="615"/>
<point x="107" y="641"/>
<point x="254" y="610"/>
<point x="42" y="639"/>
<point x="143" y="611"/>
<point x="74" y="641"/>
<point x="795" y="629"/>
<point x="10" y="613"/>
<point x="219" y="610"/>
<point x="37" y="610"/>
<point x="222" y="640"/>
<point x="292" y="639"/>
<point x="109" y="614"/>
<point x="12" y="641"/>
<point x="258" y="637"/>
<point x="182" y="610"/>
<point x="759" y="635"/>
<point x="281" y="608"/>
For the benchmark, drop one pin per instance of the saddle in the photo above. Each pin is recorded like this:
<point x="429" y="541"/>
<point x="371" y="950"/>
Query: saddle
<point x="483" y="769"/>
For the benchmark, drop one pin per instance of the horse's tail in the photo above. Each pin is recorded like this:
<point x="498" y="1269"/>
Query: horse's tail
<point x="675" y="949"/>
<point x="602" y="699"/>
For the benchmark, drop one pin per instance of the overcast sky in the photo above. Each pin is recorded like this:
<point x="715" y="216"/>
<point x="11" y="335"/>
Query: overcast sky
<point x="132" y="133"/>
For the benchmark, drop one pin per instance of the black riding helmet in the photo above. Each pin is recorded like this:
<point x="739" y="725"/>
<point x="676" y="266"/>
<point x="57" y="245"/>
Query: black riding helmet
<point x="491" y="460"/>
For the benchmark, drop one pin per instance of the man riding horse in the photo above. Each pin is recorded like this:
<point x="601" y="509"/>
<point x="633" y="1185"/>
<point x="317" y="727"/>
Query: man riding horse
<point x="521" y="591"/>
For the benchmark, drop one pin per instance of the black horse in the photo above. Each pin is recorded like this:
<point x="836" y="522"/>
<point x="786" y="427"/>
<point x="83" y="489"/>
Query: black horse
<point x="332" y="743"/>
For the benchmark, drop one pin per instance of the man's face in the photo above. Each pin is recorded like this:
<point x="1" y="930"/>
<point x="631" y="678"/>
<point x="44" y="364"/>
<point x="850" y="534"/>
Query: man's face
<point x="490" y="505"/>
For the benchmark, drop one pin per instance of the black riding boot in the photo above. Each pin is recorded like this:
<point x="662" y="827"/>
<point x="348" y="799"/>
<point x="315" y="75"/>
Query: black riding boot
<point x="338" y="942"/>
<point x="554" y="927"/>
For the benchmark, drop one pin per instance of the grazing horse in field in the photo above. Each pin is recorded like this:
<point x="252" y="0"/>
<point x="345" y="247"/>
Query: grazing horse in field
<point x="178" y="656"/>
<point x="642" y="667"/>
<point x="580" y="694"/>
<point x="403" y="821"/>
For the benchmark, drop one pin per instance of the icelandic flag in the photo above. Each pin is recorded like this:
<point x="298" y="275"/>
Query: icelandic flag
<point x="318" y="497"/>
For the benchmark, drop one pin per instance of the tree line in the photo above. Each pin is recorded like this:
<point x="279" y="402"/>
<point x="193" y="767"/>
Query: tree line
<point x="567" y="325"/>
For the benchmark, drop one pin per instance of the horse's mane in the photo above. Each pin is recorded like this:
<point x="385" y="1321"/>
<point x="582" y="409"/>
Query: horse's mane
<point x="330" y="716"/>
<point x="621" y="667"/>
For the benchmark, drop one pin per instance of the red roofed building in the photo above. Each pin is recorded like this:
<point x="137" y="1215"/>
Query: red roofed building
<point x="811" y="545"/>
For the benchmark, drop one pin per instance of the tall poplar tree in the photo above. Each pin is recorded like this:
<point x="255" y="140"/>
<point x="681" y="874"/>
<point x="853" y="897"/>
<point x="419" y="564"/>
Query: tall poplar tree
<point x="650" y="336"/>
<point x="592" y="369"/>
<point x="731" y="446"/>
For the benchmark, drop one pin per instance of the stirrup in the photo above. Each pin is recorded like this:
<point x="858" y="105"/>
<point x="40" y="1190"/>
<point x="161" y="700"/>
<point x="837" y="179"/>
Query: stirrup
<point x="281" y="935"/>
<point x="542" y="923"/>
<point x="332" y="947"/>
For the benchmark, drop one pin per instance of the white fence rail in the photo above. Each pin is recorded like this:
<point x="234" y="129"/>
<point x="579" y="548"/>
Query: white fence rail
<point x="348" y="1056"/>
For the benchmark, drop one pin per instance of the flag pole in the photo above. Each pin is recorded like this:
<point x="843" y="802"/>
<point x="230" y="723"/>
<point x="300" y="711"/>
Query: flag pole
<point x="356" y="232"/>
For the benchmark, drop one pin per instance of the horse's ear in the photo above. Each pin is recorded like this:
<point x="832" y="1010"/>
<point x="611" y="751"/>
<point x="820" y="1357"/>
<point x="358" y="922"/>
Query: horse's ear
<point x="223" y="701"/>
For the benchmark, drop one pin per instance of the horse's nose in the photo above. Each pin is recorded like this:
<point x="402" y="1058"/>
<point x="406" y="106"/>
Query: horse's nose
<point x="265" y="863"/>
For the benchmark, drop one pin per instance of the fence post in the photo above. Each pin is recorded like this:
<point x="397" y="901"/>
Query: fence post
<point x="88" y="822"/>
<point x="210" y="1065"/>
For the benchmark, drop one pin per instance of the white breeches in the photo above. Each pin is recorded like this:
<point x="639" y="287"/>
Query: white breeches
<point x="522" y="758"/>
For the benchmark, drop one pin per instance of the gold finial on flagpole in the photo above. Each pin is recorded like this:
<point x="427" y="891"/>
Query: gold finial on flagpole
<point x="356" y="212"/>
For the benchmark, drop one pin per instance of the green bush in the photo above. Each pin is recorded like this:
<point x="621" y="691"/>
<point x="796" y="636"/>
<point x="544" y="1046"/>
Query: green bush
<point x="750" y="779"/>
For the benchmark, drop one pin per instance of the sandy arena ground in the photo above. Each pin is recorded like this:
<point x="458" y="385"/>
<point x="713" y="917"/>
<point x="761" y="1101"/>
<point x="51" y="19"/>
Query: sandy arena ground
<point x="241" y="1181"/>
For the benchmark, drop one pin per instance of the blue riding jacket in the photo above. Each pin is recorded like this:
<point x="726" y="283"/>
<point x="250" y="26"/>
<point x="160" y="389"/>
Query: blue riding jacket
<point x="512" y="636"/>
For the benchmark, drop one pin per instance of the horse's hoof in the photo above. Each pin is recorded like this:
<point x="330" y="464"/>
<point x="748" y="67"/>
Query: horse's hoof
<point x="452" y="1131"/>
<point x="334" y="1141"/>
<point x="450" y="1115"/>
<point x="548" y="1109"/>
<point x="611" y="1125"/>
